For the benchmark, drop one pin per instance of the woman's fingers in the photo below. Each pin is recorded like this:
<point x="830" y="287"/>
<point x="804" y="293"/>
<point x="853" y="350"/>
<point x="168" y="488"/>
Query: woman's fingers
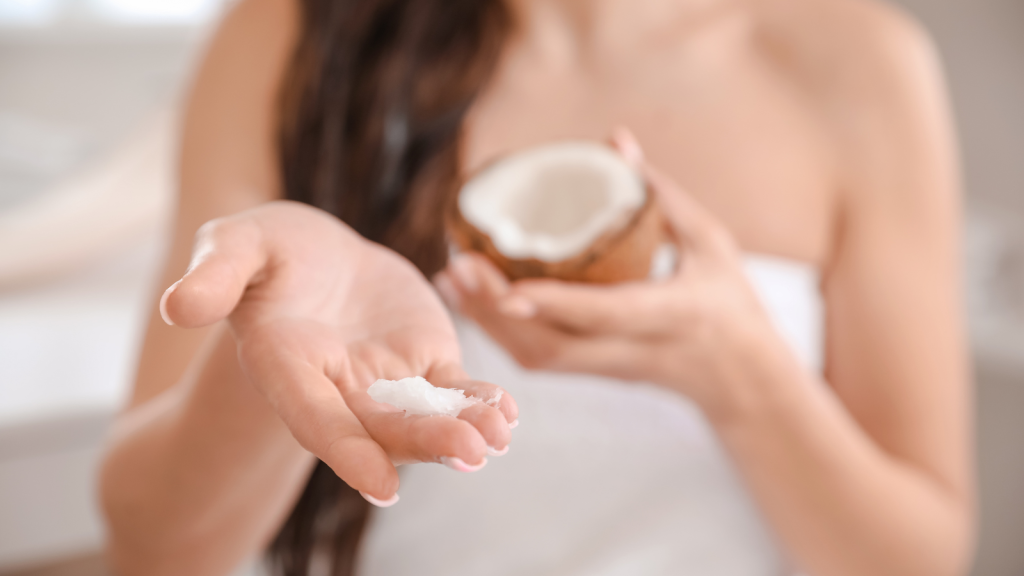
<point x="611" y="356"/>
<point x="626" y="309"/>
<point x="447" y="290"/>
<point x="312" y="408"/>
<point x="479" y="429"/>
<point x="420" y="438"/>
<point x="634" y="308"/>
<point x="492" y="426"/>
<point x="228" y="253"/>
<point x="692" y="225"/>
<point x="538" y="346"/>
<point x="451" y="375"/>
<point x="694" y="228"/>
<point x="495" y="413"/>
<point x="417" y="438"/>
<point x="274" y="243"/>
<point x="474" y="275"/>
<point x="491" y="416"/>
<point x="625" y="142"/>
<point x="491" y="395"/>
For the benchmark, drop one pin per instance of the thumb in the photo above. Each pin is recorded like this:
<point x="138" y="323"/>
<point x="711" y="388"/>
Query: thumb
<point x="228" y="254"/>
<point x="690" y="223"/>
<point x="693" y="227"/>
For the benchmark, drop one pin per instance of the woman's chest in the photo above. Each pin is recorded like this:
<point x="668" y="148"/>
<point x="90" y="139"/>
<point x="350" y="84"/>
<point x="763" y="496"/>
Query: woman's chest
<point x="732" y="132"/>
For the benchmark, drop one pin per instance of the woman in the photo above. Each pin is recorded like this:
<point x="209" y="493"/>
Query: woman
<point x="813" y="131"/>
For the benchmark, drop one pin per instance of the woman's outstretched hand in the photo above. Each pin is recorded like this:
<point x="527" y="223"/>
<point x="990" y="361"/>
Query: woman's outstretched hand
<point x="319" y="314"/>
<point x="692" y="331"/>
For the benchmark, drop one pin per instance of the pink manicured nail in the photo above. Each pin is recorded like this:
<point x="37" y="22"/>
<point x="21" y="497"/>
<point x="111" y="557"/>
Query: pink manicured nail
<point x="513" y="424"/>
<point x="459" y="465"/>
<point x="629" y="147"/>
<point x="517" y="307"/>
<point x="463" y="271"/>
<point x="163" y="303"/>
<point x="493" y="452"/>
<point x="380" y="503"/>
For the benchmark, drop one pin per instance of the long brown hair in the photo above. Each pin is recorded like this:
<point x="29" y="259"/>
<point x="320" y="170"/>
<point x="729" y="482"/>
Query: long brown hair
<point x="371" y="111"/>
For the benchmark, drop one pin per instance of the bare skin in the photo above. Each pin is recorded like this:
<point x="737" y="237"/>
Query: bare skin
<point x="811" y="129"/>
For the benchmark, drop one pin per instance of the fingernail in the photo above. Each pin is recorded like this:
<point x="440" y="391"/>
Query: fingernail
<point x="517" y="307"/>
<point x="629" y="147"/>
<point x="380" y="503"/>
<point x="163" y="303"/>
<point x="459" y="465"/>
<point x="447" y="291"/>
<point x="493" y="452"/>
<point x="513" y="424"/>
<point x="463" y="270"/>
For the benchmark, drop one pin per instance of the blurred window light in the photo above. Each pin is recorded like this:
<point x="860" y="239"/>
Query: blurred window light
<point x="156" y="11"/>
<point x="118" y="12"/>
<point x="26" y="11"/>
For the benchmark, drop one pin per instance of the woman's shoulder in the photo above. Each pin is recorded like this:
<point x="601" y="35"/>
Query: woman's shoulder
<point x="873" y="76"/>
<point x="863" y="53"/>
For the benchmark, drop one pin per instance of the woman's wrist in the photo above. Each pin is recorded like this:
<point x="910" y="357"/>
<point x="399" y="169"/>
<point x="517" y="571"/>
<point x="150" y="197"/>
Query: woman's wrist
<point x="753" y="375"/>
<point x="222" y="391"/>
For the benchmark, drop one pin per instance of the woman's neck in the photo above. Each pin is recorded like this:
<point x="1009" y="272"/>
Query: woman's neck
<point x="570" y="30"/>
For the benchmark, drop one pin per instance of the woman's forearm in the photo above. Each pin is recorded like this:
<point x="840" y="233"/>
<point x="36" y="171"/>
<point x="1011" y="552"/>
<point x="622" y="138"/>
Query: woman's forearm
<point x="205" y="468"/>
<point x="841" y="505"/>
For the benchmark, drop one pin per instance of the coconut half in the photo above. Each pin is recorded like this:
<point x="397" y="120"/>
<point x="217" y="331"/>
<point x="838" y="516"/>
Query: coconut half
<point x="572" y="210"/>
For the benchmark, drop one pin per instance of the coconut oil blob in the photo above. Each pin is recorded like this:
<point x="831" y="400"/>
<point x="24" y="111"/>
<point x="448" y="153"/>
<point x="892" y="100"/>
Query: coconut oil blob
<point x="552" y="202"/>
<point x="417" y="396"/>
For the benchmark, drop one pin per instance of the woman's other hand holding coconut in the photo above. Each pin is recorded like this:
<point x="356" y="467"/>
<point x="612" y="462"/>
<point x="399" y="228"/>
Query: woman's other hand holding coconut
<point x="697" y="331"/>
<point x="319" y="314"/>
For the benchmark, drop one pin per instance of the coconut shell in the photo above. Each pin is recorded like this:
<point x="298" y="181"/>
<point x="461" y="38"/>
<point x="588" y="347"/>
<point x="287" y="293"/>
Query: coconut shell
<point x="621" y="254"/>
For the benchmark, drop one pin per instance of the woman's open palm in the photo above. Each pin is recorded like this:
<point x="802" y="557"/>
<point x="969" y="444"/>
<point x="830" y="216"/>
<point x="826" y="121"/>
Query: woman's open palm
<point x="319" y="314"/>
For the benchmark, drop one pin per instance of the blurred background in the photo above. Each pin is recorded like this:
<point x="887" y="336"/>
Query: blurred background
<point x="89" y="92"/>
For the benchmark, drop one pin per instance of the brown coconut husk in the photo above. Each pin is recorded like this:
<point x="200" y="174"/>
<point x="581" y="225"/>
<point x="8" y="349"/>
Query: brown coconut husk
<point x="621" y="254"/>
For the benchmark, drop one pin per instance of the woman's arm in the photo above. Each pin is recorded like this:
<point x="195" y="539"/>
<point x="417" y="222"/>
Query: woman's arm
<point x="873" y="474"/>
<point x="228" y="159"/>
<point x="164" y="481"/>
<point x="896" y="340"/>
<point x="880" y="482"/>
<point x="198" y="478"/>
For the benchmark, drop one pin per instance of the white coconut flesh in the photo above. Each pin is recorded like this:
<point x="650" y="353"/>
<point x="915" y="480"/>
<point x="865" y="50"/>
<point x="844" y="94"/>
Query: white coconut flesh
<point x="552" y="202"/>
